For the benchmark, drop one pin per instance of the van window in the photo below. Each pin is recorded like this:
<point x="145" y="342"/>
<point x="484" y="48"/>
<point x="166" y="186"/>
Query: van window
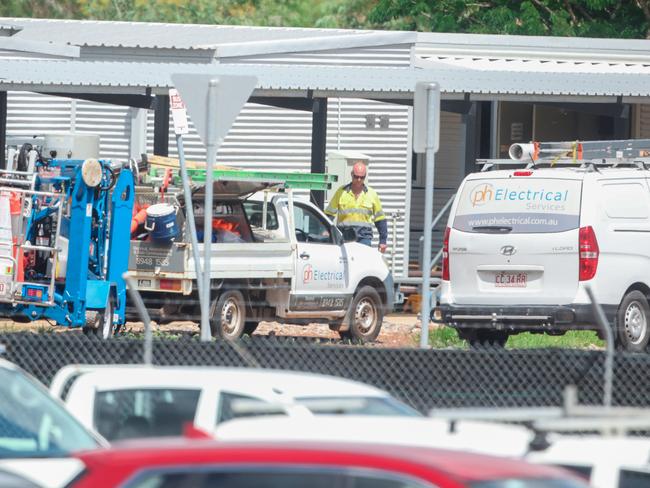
<point x="519" y="205"/>
<point x="625" y="200"/>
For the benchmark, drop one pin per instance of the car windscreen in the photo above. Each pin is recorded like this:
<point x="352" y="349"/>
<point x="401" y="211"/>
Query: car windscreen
<point x="350" y="405"/>
<point x="519" y="205"/>
<point x="32" y="424"/>
<point x="530" y="483"/>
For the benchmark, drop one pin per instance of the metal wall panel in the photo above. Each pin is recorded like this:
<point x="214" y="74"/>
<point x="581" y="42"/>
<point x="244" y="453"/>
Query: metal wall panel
<point x="449" y="172"/>
<point x="34" y="114"/>
<point x="111" y="122"/>
<point x="30" y="114"/>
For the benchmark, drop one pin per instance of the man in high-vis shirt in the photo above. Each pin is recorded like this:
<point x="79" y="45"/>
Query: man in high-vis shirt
<point x="357" y="206"/>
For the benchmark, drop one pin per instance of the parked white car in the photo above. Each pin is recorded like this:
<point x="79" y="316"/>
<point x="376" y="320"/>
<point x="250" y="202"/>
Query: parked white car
<point x="125" y="401"/>
<point x="37" y="434"/>
<point x="480" y="437"/>
<point x="521" y="246"/>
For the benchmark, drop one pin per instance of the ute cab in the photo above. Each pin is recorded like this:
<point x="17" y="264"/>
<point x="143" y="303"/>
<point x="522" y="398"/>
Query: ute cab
<point x="522" y="245"/>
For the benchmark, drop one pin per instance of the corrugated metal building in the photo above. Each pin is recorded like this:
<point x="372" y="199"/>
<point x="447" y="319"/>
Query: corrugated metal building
<point x="496" y="90"/>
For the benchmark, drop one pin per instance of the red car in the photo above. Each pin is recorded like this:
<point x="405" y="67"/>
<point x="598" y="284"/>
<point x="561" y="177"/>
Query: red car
<point x="176" y="463"/>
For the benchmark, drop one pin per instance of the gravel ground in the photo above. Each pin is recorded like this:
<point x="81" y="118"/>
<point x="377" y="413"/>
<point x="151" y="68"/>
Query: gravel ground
<point x="398" y="330"/>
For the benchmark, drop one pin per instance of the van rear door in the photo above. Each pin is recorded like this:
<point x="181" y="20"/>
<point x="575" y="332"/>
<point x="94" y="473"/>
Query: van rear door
<point x="514" y="239"/>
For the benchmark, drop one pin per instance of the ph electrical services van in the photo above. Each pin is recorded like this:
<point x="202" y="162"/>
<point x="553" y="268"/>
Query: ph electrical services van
<point x="522" y="245"/>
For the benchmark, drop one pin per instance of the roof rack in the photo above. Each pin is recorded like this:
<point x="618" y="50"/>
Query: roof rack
<point x="287" y="179"/>
<point x="283" y="179"/>
<point x="619" y="149"/>
<point x="571" y="417"/>
<point x="588" y="155"/>
<point x="586" y="164"/>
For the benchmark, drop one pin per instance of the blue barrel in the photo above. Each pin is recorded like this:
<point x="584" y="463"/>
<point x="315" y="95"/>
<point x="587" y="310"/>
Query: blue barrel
<point x="161" y="222"/>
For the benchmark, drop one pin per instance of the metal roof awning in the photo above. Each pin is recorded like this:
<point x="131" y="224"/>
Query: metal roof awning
<point x="41" y="48"/>
<point x="228" y="40"/>
<point x="577" y="49"/>
<point x="523" y="80"/>
<point x="274" y="80"/>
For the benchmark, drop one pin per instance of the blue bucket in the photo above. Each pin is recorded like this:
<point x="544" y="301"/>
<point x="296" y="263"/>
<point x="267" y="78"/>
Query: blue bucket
<point x="161" y="222"/>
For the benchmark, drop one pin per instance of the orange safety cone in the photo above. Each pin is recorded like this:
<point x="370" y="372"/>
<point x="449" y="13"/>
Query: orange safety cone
<point x="138" y="219"/>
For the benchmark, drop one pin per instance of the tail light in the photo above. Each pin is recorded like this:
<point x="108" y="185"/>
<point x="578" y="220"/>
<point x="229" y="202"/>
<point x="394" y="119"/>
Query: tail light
<point x="589" y="252"/>
<point x="172" y="285"/>
<point x="445" y="255"/>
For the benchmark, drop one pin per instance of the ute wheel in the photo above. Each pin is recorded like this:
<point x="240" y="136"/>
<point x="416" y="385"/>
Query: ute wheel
<point x="100" y="323"/>
<point x="365" y="316"/>
<point x="228" y="315"/>
<point x="482" y="338"/>
<point x="632" y="322"/>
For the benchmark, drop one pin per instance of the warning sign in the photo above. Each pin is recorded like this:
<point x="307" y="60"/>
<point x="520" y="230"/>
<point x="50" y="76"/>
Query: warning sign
<point x="179" y="112"/>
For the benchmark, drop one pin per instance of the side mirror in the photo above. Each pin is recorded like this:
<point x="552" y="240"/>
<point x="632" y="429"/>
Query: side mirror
<point x="349" y="234"/>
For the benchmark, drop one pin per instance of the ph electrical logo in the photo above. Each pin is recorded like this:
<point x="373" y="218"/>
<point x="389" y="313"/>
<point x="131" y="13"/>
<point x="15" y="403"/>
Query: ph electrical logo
<point x="481" y="194"/>
<point x="307" y="273"/>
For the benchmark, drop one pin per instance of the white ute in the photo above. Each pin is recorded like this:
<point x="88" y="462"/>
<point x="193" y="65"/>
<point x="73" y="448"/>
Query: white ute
<point x="282" y="261"/>
<point x="128" y="401"/>
<point x="521" y="245"/>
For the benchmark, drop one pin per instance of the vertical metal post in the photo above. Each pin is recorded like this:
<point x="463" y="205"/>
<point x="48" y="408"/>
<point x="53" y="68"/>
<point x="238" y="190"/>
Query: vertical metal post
<point x="189" y="214"/>
<point x="144" y="315"/>
<point x="608" y="375"/>
<point x="3" y="129"/>
<point x="425" y="308"/>
<point x="318" y="145"/>
<point x="161" y="126"/>
<point x="212" y="146"/>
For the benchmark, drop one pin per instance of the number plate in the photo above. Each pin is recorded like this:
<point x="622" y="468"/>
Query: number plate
<point x="511" y="280"/>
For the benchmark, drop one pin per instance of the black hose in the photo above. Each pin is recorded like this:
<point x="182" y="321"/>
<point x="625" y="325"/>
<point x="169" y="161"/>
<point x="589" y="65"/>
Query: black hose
<point x="23" y="156"/>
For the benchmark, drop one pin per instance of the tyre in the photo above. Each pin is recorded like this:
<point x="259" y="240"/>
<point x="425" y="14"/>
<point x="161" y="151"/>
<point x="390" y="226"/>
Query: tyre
<point x="228" y="315"/>
<point x="632" y="322"/>
<point x="100" y="322"/>
<point x="482" y="338"/>
<point x="365" y="316"/>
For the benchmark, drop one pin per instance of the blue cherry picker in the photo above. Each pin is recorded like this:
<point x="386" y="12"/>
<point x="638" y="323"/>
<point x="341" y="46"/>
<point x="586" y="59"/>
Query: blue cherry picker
<point x="64" y="243"/>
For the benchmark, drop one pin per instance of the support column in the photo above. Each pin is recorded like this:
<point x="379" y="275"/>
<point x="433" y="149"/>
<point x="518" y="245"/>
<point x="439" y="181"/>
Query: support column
<point x="161" y="126"/>
<point x="3" y="128"/>
<point x="138" y="136"/>
<point x="318" y="145"/>
<point x="472" y="136"/>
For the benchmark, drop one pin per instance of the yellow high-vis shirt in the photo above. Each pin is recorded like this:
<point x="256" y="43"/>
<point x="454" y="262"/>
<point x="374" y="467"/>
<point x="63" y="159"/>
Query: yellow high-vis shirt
<point x="362" y="211"/>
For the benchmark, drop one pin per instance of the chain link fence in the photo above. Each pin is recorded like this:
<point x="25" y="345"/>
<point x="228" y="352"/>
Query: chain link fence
<point x="425" y="379"/>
